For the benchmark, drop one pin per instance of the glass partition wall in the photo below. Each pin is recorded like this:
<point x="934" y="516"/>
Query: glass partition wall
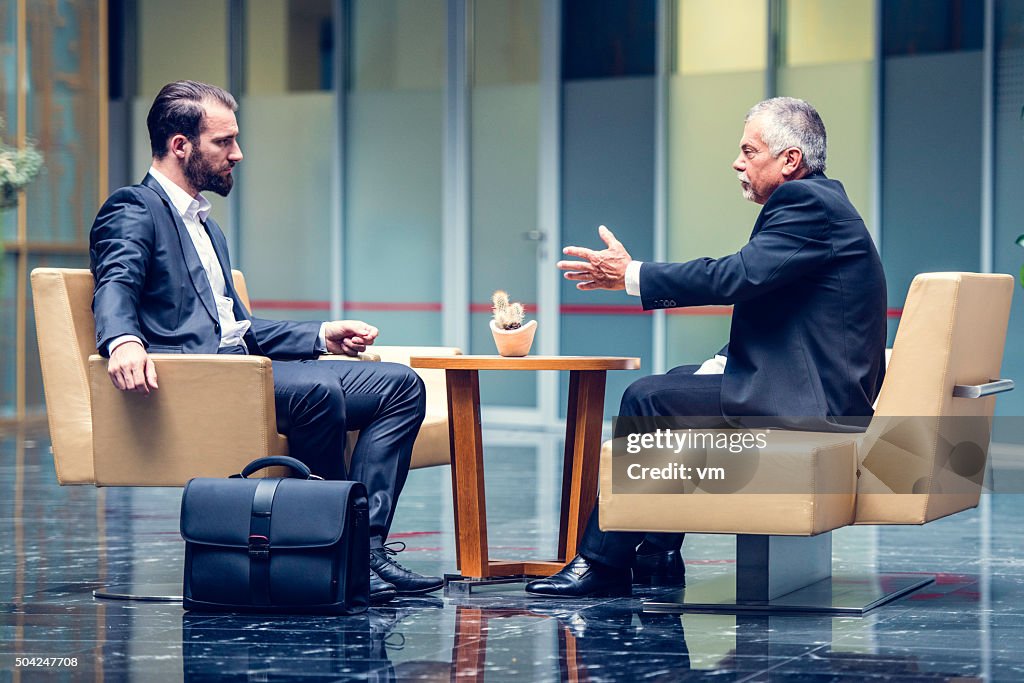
<point x="713" y="79"/>
<point x="608" y="172"/>
<point x="393" y="168"/>
<point x="505" y="235"/>
<point x="52" y="95"/>
<point x="820" y="45"/>
<point x="404" y="158"/>
<point x="287" y="112"/>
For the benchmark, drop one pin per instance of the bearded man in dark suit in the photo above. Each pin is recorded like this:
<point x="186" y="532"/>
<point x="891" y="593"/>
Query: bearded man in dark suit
<point x="163" y="285"/>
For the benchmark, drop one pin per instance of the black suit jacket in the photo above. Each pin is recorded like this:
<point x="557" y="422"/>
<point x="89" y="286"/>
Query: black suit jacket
<point x="149" y="282"/>
<point x="807" y="342"/>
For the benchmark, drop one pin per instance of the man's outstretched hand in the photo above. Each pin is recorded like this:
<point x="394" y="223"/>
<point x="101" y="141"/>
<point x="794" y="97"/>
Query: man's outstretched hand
<point x="349" y="337"/>
<point x="605" y="269"/>
<point x="131" y="369"/>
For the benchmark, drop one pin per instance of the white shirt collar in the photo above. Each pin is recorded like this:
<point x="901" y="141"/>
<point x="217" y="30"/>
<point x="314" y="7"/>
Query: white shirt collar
<point x="185" y="204"/>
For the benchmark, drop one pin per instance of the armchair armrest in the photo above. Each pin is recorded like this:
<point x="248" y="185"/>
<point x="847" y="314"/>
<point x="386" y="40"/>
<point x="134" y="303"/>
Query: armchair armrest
<point x="996" y="386"/>
<point x="210" y="417"/>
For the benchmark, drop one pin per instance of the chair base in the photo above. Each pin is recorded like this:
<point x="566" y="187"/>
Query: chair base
<point x="836" y="595"/>
<point x="459" y="585"/>
<point x="142" y="592"/>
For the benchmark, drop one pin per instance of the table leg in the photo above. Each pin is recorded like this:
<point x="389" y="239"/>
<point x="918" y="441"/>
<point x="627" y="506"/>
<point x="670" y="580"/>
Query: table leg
<point x="583" y="421"/>
<point x="467" y="472"/>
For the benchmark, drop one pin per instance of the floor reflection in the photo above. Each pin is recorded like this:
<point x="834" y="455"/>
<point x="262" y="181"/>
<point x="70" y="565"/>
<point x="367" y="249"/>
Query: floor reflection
<point x="613" y="642"/>
<point x="64" y="541"/>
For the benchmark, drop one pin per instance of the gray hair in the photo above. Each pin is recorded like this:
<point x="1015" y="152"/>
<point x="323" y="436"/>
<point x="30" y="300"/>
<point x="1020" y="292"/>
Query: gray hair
<point x="789" y="122"/>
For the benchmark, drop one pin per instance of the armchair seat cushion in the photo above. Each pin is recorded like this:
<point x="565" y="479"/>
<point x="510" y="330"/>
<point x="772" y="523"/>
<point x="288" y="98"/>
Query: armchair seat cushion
<point x="799" y="484"/>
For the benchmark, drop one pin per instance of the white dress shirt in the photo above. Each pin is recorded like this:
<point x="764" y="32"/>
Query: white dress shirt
<point x="712" y="366"/>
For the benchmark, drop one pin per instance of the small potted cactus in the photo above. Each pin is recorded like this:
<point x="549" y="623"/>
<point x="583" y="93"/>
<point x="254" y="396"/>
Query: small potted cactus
<point x="511" y="336"/>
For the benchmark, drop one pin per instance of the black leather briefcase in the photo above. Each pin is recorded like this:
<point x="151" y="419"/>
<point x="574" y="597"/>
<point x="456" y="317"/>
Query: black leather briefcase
<point x="292" y="545"/>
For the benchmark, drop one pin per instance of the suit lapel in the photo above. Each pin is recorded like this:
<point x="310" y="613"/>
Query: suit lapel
<point x="195" y="267"/>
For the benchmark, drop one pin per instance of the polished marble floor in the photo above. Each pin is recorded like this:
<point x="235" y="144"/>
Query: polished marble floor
<point x="59" y="543"/>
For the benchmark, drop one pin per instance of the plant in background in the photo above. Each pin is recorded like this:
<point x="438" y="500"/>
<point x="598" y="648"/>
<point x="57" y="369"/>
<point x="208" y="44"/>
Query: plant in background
<point x="17" y="169"/>
<point x="507" y="315"/>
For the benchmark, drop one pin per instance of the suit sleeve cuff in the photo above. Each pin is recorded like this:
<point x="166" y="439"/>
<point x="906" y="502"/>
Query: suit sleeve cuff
<point x="123" y="339"/>
<point x="712" y="366"/>
<point x="633" y="278"/>
<point x="321" y="339"/>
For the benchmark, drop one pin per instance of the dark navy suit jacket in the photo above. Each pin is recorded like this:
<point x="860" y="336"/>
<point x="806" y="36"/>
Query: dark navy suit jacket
<point x="808" y="324"/>
<point x="149" y="282"/>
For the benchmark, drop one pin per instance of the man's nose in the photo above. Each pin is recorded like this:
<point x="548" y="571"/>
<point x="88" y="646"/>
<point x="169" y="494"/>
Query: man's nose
<point x="236" y="153"/>
<point x="737" y="164"/>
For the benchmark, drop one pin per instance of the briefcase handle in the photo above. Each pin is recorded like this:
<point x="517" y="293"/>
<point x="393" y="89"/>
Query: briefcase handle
<point x="278" y="461"/>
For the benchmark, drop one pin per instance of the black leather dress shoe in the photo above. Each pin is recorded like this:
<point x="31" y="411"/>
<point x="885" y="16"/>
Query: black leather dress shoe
<point x="583" y="578"/>
<point x="664" y="568"/>
<point x="380" y="590"/>
<point x="405" y="581"/>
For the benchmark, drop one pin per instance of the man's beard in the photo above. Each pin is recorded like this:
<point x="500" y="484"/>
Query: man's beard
<point x="202" y="176"/>
<point x="745" y="188"/>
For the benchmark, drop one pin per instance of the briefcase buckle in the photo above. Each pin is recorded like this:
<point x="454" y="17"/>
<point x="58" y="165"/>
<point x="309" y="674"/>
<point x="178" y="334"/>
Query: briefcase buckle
<point x="259" y="547"/>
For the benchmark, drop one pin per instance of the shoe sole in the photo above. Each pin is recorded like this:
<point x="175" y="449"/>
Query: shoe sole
<point x="382" y="597"/>
<point x="422" y="591"/>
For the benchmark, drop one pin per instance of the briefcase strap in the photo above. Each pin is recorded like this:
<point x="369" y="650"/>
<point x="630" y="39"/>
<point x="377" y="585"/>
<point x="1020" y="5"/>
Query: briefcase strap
<point x="259" y="541"/>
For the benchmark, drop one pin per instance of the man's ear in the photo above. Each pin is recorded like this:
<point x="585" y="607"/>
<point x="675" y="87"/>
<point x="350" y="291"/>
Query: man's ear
<point x="794" y="160"/>
<point x="179" y="146"/>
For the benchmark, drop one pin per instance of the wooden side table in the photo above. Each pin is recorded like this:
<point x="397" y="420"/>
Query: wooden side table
<point x="580" y="465"/>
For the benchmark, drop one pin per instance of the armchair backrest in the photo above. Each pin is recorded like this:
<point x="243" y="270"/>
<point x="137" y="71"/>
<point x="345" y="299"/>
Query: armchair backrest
<point x="243" y="291"/>
<point x="62" y="298"/>
<point x="924" y="454"/>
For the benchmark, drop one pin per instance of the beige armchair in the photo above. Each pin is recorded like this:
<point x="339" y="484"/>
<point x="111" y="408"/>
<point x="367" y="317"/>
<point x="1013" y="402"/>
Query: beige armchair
<point x="922" y="457"/>
<point x="211" y="416"/>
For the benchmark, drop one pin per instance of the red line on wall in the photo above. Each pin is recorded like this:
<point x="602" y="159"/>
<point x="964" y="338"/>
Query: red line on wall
<point x="408" y="306"/>
<point x="435" y="307"/>
<point x="601" y="309"/>
<point x="279" y="304"/>
<point x="404" y="306"/>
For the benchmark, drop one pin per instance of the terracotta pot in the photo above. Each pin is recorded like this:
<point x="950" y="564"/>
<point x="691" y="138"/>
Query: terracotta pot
<point x="514" y="342"/>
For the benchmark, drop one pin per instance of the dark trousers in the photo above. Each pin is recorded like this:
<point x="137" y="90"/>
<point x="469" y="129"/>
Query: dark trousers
<point x="691" y="401"/>
<point x="319" y="402"/>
